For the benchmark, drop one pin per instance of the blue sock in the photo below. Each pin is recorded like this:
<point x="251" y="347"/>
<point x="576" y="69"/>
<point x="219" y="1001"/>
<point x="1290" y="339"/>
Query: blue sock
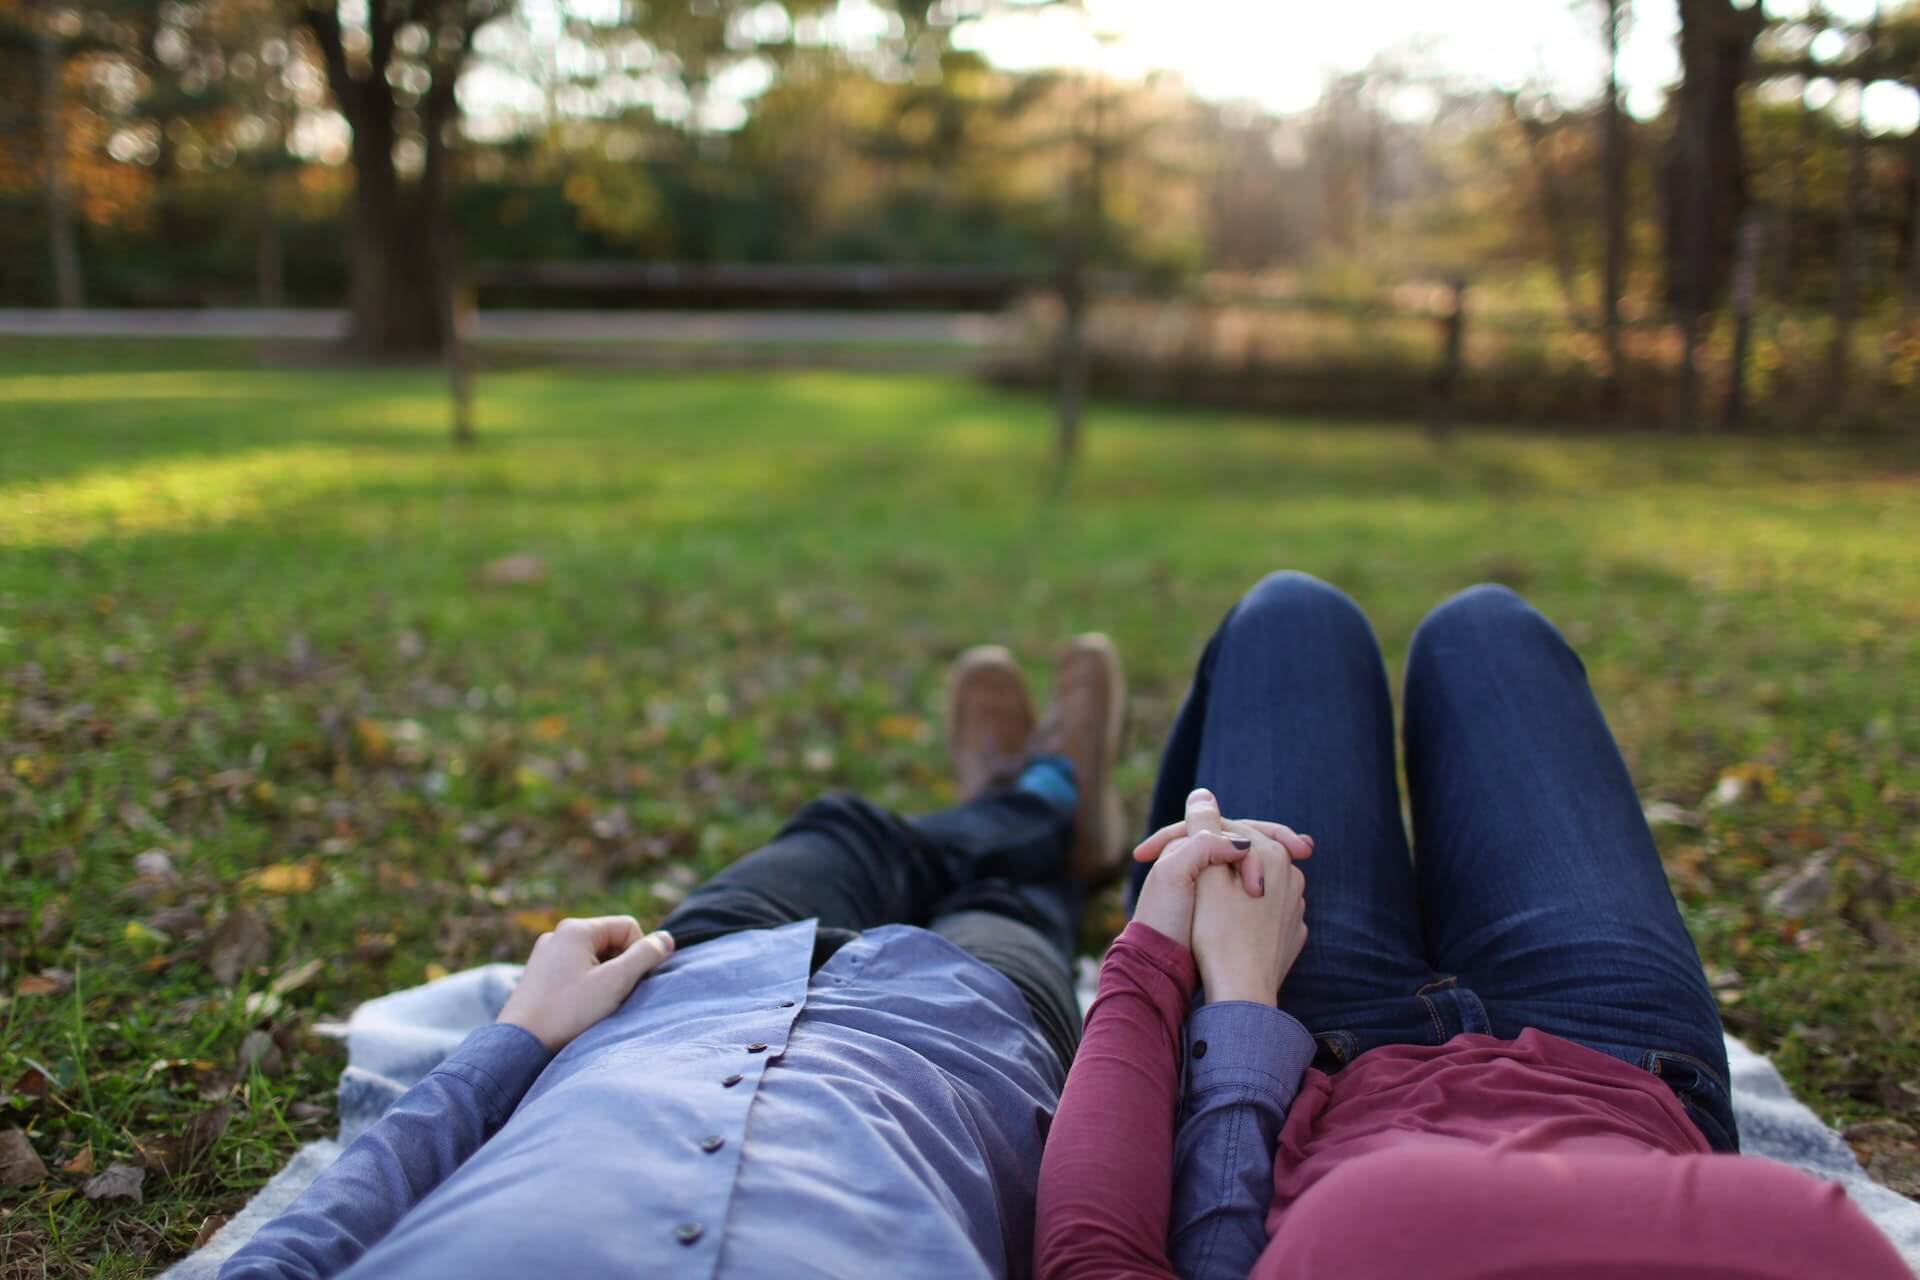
<point x="1051" y="778"/>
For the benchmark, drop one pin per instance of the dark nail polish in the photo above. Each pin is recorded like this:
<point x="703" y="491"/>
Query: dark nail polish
<point x="1240" y="842"/>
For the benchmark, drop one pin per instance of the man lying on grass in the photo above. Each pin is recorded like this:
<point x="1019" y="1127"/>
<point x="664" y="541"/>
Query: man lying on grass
<point x="843" y="1058"/>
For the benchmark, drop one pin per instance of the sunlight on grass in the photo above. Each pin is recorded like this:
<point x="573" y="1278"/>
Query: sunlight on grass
<point x="194" y="493"/>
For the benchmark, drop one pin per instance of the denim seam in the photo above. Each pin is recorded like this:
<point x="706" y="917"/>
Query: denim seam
<point x="1238" y="1077"/>
<point x="1210" y="1242"/>
<point x="481" y="1081"/>
<point x="1433" y="1012"/>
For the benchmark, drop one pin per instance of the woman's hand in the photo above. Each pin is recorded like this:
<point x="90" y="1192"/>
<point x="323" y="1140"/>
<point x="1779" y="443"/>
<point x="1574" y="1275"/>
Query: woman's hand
<point x="579" y="973"/>
<point x="1244" y="946"/>
<point x="1254" y="924"/>
<point x="1179" y="854"/>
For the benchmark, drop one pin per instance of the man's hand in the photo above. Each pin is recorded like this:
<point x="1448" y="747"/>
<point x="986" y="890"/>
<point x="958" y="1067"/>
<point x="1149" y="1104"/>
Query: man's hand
<point x="1243" y="945"/>
<point x="579" y="973"/>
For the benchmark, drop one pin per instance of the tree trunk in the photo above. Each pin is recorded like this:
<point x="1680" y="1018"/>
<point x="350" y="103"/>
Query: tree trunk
<point x="1614" y="278"/>
<point x="1705" y="174"/>
<point x="1746" y="287"/>
<point x="395" y="291"/>
<point x="1911" y="297"/>
<point x="62" y="248"/>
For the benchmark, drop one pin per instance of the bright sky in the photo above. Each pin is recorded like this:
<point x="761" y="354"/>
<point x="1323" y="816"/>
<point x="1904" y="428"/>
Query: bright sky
<point x="1276" y="53"/>
<point x="1279" y="53"/>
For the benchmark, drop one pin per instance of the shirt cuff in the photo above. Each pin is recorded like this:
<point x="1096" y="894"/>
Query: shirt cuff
<point x="1241" y="1044"/>
<point x="501" y="1062"/>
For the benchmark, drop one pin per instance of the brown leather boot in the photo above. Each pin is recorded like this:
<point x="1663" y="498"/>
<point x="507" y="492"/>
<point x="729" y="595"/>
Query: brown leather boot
<point x="989" y="719"/>
<point x="1084" y="724"/>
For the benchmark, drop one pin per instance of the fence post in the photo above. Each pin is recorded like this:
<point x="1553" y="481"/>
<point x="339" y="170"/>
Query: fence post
<point x="1746" y="282"/>
<point x="1445" y="407"/>
<point x="459" y="371"/>
<point x="457" y="306"/>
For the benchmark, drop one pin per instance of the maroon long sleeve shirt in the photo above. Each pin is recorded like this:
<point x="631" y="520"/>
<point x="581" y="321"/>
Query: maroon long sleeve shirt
<point x="1474" y="1160"/>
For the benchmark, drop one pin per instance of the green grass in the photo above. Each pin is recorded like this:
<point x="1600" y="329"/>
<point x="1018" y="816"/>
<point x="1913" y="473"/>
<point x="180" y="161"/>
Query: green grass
<point x="241" y="622"/>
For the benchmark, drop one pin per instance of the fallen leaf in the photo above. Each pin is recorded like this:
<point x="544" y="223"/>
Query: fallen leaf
<point x="258" y="1050"/>
<point x="536" y="919"/>
<point x="156" y="866"/>
<point x="176" y="1152"/>
<point x="284" y="878"/>
<point x="902" y="729"/>
<point x="1806" y="891"/>
<point x="372" y="738"/>
<point x="550" y="728"/>
<point x="48" y="982"/>
<point x="309" y="1111"/>
<point x="175" y="921"/>
<point x="1664" y="813"/>
<point x="435" y="971"/>
<point x="81" y="1163"/>
<point x="31" y="1083"/>
<point x="614" y="824"/>
<point x="209" y="1227"/>
<point x="136" y="933"/>
<point x="1880" y="1130"/>
<point x="119" y="1182"/>
<point x="295" y="978"/>
<point x="521" y="570"/>
<point x="20" y="1164"/>
<point x="237" y="945"/>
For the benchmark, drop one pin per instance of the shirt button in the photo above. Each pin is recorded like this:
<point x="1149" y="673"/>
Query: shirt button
<point x="731" y="1081"/>
<point x="1199" y="1049"/>
<point x="712" y="1143"/>
<point x="688" y="1232"/>
<point x="758" y="1046"/>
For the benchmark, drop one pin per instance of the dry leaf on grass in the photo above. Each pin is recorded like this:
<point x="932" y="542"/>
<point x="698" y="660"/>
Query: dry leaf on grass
<point x="176" y="1152"/>
<point x="31" y="1083"/>
<point x="522" y="570"/>
<point x="209" y="1227"/>
<point x="119" y="1182"/>
<point x="81" y="1162"/>
<point x="285" y="878"/>
<point x="48" y="982"/>
<point x="20" y="1164"/>
<point x="1807" y="891"/>
<point x="259" y="1050"/>
<point x="237" y="945"/>
<point x="536" y="919"/>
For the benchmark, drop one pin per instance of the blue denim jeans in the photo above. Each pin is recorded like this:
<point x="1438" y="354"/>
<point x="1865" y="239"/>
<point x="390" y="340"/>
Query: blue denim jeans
<point x="1533" y="895"/>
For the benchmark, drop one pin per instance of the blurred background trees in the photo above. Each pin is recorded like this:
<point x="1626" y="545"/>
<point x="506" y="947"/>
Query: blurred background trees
<point x="357" y="152"/>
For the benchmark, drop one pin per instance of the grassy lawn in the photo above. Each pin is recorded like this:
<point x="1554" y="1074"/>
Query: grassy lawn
<point x="244" y="632"/>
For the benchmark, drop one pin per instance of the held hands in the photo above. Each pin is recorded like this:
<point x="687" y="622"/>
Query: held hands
<point x="579" y="973"/>
<point x="1230" y="891"/>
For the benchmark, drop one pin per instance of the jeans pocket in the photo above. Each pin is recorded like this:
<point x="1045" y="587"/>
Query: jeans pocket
<point x="1334" y="1050"/>
<point x="1702" y="1092"/>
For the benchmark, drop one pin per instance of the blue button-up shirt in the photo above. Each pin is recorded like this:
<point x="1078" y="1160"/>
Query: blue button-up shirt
<point x="735" y="1117"/>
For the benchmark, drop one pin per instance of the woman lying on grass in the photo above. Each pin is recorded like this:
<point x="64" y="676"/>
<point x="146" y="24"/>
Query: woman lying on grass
<point x="1498" y="1059"/>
